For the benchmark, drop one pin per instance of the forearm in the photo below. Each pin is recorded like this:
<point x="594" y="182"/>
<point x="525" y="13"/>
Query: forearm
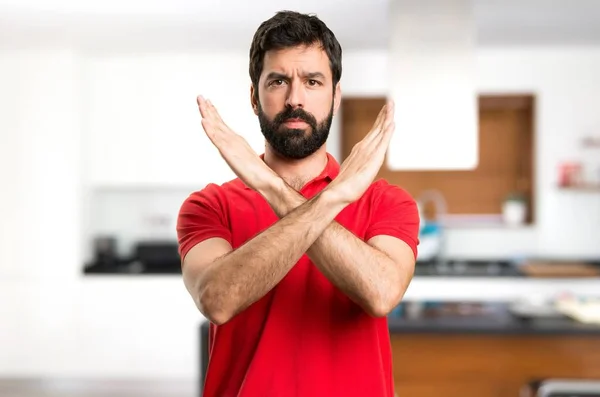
<point x="243" y="276"/>
<point x="365" y="274"/>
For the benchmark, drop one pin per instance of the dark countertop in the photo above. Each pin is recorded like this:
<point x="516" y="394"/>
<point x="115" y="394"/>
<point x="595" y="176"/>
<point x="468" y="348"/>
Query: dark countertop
<point x="497" y="325"/>
<point x="484" y="268"/>
<point x="484" y="318"/>
<point x="499" y="321"/>
<point x="167" y="261"/>
<point x="470" y="268"/>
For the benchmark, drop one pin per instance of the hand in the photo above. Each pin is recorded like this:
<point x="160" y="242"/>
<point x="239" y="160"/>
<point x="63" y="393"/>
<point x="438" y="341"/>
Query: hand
<point x="360" y="168"/>
<point x="235" y="150"/>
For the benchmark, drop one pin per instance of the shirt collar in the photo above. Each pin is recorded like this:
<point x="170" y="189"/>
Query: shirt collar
<point x="329" y="173"/>
<point x="331" y="170"/>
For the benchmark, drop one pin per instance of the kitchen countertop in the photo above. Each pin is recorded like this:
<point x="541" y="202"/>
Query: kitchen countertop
<point x="453" y="268"/>
<point x="480" y="268"/>
<point x="501" y="324"/>
<point x="500" y="321"/>
<point x="470" y="268"/>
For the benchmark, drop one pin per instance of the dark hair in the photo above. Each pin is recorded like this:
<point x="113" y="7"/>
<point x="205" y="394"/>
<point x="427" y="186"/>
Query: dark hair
<point x="290" y="29"/>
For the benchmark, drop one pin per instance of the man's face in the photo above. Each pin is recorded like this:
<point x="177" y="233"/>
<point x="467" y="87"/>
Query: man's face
<point x="296" y="100"/>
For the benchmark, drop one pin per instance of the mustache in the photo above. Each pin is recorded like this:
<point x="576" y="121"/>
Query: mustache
<point x="297" y="113"/>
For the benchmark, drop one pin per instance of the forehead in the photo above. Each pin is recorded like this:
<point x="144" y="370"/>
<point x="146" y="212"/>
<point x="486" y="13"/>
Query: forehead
<point x="301" y="59"/>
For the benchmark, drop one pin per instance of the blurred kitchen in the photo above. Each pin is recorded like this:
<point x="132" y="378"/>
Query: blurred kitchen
<point x="497" y="138"/>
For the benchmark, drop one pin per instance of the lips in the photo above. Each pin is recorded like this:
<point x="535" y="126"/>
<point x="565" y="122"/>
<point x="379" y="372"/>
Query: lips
<point x="295" y="119"/>
<point x="295" y="123"/>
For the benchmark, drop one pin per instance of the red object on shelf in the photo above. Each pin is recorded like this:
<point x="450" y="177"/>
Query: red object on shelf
<point x="569" y="174"/>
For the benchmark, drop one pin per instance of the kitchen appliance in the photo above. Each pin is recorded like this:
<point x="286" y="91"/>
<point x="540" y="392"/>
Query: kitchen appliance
<point x="158" y="256"/>
<point x="105" y="251"/>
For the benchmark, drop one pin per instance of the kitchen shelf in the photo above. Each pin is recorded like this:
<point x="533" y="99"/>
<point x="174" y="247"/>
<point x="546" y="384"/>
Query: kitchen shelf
<point x="591" y="142"/>
<point x="592" y="187"/>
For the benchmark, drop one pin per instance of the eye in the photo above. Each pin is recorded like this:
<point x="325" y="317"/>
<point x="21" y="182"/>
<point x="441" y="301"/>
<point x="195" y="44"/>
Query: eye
<point x="276" y="82"/>
<point x="313" y="83"/>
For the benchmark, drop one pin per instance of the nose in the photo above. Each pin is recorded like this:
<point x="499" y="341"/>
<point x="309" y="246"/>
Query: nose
<point x="296" y="95"/>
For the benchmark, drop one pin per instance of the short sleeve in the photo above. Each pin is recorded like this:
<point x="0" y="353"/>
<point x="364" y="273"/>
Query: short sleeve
<point x="201" y="217"/>
<point x="394" y="213"/>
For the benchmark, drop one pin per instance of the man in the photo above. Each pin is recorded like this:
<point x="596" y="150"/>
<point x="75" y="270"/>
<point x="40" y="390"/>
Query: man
<point x="297" y="262"/>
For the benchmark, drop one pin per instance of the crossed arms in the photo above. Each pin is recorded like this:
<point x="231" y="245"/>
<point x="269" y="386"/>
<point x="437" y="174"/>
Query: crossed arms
<point x="374" y="274"/>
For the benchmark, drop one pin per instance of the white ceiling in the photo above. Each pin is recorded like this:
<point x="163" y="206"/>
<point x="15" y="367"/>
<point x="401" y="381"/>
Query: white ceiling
<point x="229" y="24"/>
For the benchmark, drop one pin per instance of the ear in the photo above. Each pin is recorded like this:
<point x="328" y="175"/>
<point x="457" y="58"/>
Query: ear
<point x="337" y="98"/>
<point x="254" y="99"/>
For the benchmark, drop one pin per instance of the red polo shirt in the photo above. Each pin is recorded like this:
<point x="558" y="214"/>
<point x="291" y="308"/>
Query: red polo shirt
<point x="305" y="337"/>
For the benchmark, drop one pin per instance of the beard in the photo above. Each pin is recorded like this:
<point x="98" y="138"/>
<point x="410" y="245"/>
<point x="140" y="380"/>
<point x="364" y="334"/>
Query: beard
<point x="294" y="143"/>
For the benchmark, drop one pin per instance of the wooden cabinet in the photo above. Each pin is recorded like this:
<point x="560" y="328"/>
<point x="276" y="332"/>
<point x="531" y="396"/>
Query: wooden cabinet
<point x="506" y="156"/>
<point x="494" y="365"/>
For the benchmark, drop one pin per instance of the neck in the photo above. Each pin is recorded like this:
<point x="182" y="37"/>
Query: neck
<point x="296" y="173"/>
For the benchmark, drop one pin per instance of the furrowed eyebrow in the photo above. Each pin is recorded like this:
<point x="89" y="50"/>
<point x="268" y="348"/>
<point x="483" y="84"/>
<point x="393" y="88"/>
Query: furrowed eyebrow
<point x="281" y="76"/>
<point x="315" y="75"/>
<point x="277" y="76"/>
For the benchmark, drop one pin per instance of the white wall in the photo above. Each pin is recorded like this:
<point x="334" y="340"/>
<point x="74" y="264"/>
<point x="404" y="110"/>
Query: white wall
<point x="57" y="323"/>
<point x="142" y="120"/>
<point x="53" y="322"/>
<point x="40" y="161"/>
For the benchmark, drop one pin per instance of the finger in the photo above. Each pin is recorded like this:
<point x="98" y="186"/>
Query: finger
<point x="380" y="118"/>
<point x="386" y="137"/>
<point x="202" y="106"/>
<point x="208" y="123"/>
<point x="212" y="111"/>
<point x="389" y="116"/>
<point x="213" y="133"/>
<point x="207" y="110"/>
<point x="208" y="129"/>
<point x="214" y="114"/>
<point x="387" y="122"/>
<point x="216" y="117"/>
<point x="378" y="154"/>
<point x="376" y="129"/>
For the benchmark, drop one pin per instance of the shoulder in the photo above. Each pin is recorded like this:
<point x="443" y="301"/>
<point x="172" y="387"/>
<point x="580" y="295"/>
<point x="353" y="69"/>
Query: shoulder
<point x="390" y="202"/>
<point x="204" y="214"/>
<point x="213" y="197"/>
<point x="394" y="213"/>
<point x="383" y="194"/>
<point x="215" y="193"/>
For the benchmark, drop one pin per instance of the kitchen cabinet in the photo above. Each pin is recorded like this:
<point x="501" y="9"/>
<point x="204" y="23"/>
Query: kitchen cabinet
<point x="39" y="164"/>
<point x="505" y="140"/>
<point x="104" y="327"/>
<point x="489" y="358"/>
<point x="142" y="125"/>
<point x="436" y="108"/>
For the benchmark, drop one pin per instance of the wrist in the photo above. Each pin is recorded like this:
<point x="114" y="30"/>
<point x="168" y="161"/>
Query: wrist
<point x="333" y="196"/>
<point x="280" y="196"/>
<point x="273" y="187"/>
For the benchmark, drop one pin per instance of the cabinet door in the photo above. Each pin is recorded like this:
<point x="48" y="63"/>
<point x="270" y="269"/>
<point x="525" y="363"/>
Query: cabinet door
<point x="142" y="121"/>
